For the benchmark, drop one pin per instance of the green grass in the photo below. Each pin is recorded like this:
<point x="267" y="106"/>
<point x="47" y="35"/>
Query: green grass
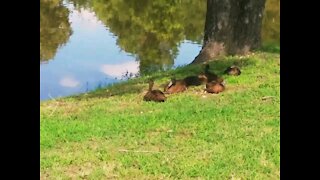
<point x="111" y="133"/>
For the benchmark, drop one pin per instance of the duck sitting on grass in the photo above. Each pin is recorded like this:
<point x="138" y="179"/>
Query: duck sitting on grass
<point x="215" y="86"/>
<point x="175" y="86"/>
<point x="154" y="95"/>
<point x="233" y="70"/>
<point x="195" y="80"/>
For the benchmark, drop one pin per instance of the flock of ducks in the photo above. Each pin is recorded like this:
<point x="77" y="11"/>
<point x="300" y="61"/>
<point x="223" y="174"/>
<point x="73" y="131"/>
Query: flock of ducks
<point x="214" y="84"/>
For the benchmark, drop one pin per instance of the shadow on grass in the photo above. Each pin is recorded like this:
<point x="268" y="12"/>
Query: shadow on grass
<point x="138" y="85"/>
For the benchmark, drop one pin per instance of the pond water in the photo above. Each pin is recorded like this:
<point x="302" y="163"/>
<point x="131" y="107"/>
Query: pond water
<point x="85" y="45"/>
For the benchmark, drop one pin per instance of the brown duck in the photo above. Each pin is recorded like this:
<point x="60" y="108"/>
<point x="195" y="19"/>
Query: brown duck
<point x="154" y="95"/>
<point x="195" y="80"/>
<point x="175" y="86"/>
<point x="233" y="70"/>
<point x="215" y="86"/>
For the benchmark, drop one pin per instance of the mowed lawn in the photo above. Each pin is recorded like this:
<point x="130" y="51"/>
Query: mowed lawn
<point x="112" y="134"/>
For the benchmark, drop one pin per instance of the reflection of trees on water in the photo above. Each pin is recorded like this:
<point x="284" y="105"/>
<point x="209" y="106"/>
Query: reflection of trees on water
<point x="151" y="30"/>
<point x="55" y="28"/>
<point x="271" y="22"/>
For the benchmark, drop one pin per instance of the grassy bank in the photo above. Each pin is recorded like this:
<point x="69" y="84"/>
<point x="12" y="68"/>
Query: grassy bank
<point x="111" y="133"/>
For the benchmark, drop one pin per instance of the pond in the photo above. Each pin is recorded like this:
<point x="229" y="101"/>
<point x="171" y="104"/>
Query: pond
<point x="85" y="44"/>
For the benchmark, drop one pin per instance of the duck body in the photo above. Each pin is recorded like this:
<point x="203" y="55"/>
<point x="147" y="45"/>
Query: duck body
<point x="214" y="87"/>
<point x="154" y="95"/>
<point x="175" y="86"/>
<point x="194" y="80"/>
<point x="233" y="71"/>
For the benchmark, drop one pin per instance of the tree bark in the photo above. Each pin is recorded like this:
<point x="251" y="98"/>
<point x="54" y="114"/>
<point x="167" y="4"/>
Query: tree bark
<point x="231" y="27"/>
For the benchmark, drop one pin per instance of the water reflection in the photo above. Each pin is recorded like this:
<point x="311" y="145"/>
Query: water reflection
<point x="116" y="70"/>
<point x="55" y="28"/>
<point x="152" y="30"/>
<point x="69" y="82"/>
<point x="271" y="23"/>
<point x="115" y="38"/>
<point x="76" y="67"/>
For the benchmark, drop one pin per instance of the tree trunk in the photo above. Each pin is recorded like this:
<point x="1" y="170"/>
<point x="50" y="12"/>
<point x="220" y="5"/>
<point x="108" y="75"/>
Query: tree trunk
<point x="232" y="27"/>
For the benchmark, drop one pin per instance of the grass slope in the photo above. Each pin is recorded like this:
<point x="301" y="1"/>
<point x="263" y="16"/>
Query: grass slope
<point x="111" y="133"/>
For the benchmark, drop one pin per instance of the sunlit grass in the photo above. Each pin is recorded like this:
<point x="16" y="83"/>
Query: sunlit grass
<point x="112" y="133"/>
